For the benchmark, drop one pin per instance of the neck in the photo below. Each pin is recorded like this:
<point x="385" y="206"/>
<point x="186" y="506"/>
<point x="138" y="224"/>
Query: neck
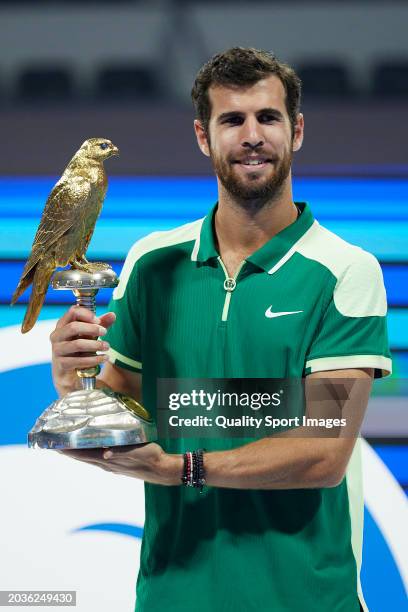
<point x="244" y="229"/>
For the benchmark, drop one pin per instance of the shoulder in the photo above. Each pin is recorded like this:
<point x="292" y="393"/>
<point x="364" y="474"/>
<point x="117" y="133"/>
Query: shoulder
<point x="159" y="240"/>
<point x="335" y="253"/>
<point x="154" y="244"/>
<point x="358" y="285"/>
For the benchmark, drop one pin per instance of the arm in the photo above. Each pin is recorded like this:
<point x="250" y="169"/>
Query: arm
<point x="285" y="461"/>
<point x="289" y="461"/>
<point x="296" y="459"/>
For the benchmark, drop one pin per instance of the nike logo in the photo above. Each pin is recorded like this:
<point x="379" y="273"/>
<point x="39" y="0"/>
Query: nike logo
<point x="271" y="315"/>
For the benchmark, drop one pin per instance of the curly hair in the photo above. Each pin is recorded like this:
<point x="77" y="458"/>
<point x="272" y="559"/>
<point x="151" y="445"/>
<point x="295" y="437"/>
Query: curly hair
<point x="243" y="67"/>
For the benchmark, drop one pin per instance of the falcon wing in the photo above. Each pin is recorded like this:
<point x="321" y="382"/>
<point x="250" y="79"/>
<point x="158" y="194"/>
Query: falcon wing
<point x="60" y="213"/>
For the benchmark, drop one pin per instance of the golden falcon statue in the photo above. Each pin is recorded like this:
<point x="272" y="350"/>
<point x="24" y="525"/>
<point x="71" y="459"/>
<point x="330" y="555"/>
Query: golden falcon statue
<point x="67" y="224"/>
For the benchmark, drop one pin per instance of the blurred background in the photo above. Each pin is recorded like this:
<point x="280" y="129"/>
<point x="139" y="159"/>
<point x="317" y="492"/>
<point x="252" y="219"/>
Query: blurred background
<point x="123" y="70"/>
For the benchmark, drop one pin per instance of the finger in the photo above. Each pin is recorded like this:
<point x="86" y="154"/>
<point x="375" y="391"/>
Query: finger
<point x="81" y="345"/>
<point x="125" y="448"/>
<point x="118" y="460"/>
<point x="76" y="313"/>
<point x="77" y="329"/>
<point x="80" y="363"/>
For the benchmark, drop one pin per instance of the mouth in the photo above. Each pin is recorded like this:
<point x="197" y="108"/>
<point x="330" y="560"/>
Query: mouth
<point x="115" y="151"/>
<point x="253" y="163"/>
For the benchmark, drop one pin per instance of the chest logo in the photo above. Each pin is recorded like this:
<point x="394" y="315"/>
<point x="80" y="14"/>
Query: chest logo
<point x="271" y="315"/>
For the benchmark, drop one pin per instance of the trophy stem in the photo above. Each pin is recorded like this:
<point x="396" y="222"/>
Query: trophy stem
<point x="88" y="384"/>
<point x="87" y="299"/>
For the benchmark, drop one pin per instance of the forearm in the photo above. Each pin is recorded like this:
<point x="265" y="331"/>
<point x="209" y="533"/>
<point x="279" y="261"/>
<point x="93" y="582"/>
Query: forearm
<point x="121" y="381"/>
<point x="276" y="463"/>
<point x="296" y="459"/>
<point x="292" y="461"/>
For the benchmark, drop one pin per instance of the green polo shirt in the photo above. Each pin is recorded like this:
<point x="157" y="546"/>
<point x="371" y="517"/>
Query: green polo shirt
<point x="179" y="315"/>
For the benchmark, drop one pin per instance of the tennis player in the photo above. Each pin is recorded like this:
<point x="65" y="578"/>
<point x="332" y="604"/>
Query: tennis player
<point x="256" y="289"/>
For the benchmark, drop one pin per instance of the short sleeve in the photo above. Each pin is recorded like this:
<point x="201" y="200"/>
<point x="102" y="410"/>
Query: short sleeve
<point x="353" y="330"/>
<point x="124" y="335"/>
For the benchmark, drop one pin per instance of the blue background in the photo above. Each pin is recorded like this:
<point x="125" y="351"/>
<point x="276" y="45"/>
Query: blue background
<point x="370" y="212"/>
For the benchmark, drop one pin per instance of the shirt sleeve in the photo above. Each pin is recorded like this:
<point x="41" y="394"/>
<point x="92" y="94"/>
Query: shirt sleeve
<point x="124" y="335"/>
<point x="353" y="329"/>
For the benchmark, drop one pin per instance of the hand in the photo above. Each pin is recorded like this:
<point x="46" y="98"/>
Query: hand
<point x="147" y="462"/>
<point x="76" y="333"/>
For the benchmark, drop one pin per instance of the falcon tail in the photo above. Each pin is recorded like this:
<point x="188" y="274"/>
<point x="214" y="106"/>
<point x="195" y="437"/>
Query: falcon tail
<point x="41" y="280"/>
<point x="24" y="282"/>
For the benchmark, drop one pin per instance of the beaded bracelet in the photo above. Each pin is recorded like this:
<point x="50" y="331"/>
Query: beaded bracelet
<point x="193" y="472"/>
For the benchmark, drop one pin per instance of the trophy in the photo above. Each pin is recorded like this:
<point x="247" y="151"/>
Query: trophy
<point x="90" y="417"/>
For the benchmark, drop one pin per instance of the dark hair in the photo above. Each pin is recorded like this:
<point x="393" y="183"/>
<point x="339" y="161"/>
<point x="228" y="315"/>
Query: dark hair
<point x="242" y="67"/>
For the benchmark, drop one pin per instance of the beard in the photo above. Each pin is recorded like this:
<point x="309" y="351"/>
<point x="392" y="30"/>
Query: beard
<point x="254" y="190"/>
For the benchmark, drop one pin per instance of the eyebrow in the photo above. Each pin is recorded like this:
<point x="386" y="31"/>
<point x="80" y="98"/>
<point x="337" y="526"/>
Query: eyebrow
<point x="231" y="114"/>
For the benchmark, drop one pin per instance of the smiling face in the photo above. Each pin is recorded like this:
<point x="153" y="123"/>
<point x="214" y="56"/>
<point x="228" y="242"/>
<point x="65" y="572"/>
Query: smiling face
<point x="250" y="140"/>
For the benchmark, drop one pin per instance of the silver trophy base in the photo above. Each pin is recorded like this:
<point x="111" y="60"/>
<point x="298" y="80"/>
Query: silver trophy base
<point x="92" y="418"/>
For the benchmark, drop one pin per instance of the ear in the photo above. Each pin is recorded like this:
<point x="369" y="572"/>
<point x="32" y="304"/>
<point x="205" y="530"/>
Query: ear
<point x="299" y="132"/>
<point x="201" y="137"/>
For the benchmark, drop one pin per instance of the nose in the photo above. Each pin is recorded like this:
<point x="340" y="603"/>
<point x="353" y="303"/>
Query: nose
<point x="252" y="137"/>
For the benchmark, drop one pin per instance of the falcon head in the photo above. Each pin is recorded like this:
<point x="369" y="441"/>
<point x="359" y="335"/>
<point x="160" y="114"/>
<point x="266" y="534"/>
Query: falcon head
<point x="98" y="149"/>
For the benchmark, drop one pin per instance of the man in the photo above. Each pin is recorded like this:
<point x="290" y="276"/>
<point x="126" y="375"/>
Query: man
<point x="258" y="289"/>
